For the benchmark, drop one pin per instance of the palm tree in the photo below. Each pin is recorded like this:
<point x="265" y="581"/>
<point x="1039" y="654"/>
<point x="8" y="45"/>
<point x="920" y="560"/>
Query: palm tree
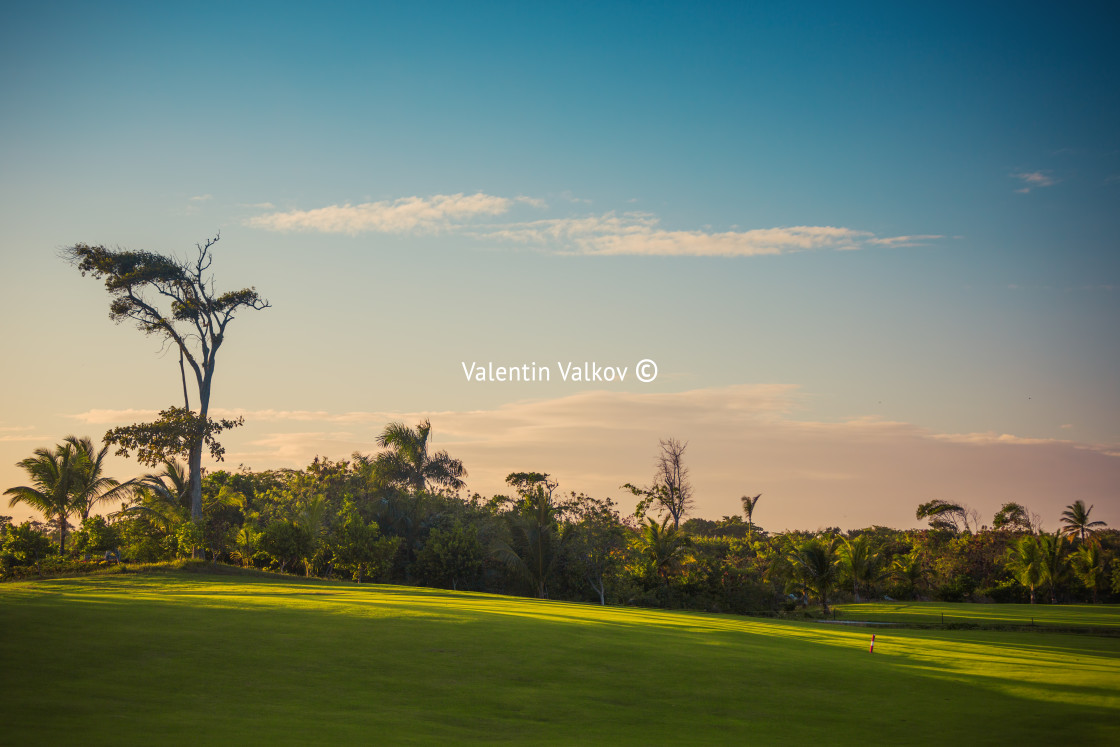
<point x="55" y="474"/>
<point x="664" y="548"/>
<point x="1075" y="521"/>
<point x="1055" y="565"/>
<point x="407" y="463"/>
<point x="164" y="497"/>
<point x="860" y="562"/>
<point x="748" y="508"/>
<point x="535" y="540"/>
<point x="1026" y="562"/>
<point x="1088" y="564"/>
<point x="908" y="571"/>
<point x="816" y="567"/>
<point x="93" y="486"/>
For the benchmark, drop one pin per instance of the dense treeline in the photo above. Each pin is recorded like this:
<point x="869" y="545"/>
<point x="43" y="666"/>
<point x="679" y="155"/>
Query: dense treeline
<point x="399" y="516"/>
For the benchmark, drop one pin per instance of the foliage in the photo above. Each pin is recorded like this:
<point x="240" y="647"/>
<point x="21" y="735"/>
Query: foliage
<point x="23" y="545"/>
<point x="285" y="542"/>
<point x="174" y="299"/>
<point x="406" y="463"/>
<point x="1076" y="521"/>
<point x="97" y="536"/>
<point x="173" y="435"/>
<point x="55" y="476"/>
<point x="670" y="493"/>
<point x="451" y="558"/>
<point x="816" y="567"/>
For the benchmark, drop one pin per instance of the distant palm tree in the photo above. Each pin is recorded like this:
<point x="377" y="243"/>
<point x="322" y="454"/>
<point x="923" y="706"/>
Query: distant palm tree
<point x="55" y="474"/>
<point x="92" y="486"/>
<point x="860" y="562"/>
<point x="407" y="463"/>
<point x="1075" y="521"/>
<point x="816" y="567"/>
<point x="748" y="508"/>
<point x="1026" y="563"/>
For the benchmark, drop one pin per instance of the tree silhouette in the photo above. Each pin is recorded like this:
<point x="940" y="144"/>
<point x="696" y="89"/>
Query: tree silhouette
<point x="1075" y="521"/>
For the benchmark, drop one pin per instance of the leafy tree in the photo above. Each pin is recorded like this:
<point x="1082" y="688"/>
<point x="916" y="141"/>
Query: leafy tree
<point x="1076" y="523"/>
<point x="97" y="536"/>
<point x="285" y="542"/>
<point x="749" y="504"/>
<point x="451" y="558"/>
<point x="816" y="567"/>
<point x="174" y="299"/>
<point x="55" y="475"/>
<point x="1013" y="517"/>
<point x="1026" y="563"/>
<point x="407" y="464"/>
<point x="189" y="539"/>
<point x="24" y="545"/>
<point x="360" y="548"/>
<point x="597" y="539"/>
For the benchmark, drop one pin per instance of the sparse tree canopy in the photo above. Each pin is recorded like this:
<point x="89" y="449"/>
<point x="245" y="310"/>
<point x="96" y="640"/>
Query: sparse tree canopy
<point x="176" y="300"/>
<point x="671" y="491"/>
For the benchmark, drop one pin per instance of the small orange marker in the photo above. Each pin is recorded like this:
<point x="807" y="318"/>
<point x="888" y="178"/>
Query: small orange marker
<point x="872" y="649"/>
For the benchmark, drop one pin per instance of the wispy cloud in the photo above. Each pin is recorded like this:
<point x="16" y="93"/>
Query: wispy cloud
<point x="640" y="234"/>
<point x="1033" y="180"/>
<point x="610" y="233"/>
<point x="202" y="198"/>
<point x="850" y="472"/>
<point x="422" y="214"/>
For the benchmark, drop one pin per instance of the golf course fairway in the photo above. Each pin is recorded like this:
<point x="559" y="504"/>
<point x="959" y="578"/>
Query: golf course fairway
<point x="180" y="657"/>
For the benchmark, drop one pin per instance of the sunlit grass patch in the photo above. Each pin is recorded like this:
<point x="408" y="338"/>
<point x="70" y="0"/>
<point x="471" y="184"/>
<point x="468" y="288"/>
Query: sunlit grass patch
<point x="188" y="657"/>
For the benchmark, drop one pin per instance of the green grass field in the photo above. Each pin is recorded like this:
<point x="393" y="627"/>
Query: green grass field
<point x="1101" y="617"/>
<point x="180" y="657"/>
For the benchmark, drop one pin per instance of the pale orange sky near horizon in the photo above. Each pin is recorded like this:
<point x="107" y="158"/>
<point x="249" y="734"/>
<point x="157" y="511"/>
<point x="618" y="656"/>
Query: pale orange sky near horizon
<point x="741" y="439"/>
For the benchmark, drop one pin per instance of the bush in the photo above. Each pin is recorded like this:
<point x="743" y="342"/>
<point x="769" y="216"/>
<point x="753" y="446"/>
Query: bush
<point x="957" y="590"/>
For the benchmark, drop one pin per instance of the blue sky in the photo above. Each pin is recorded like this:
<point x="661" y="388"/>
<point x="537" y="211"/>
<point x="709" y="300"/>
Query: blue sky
<point x="877" y="219"/>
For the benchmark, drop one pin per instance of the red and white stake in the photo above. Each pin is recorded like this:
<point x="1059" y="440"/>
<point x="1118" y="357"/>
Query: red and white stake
<point x="872" y="649"/>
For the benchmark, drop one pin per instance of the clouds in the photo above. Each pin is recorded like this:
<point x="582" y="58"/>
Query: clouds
<point x="851" y="472"/>
<point x="609" y="233"/>
<point x="1033" y="180"/>
<point x="407" y="214"/>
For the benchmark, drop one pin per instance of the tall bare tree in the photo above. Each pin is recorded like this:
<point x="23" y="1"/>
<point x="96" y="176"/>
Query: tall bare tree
<point x="174" y="299"/>
<point x="671" y="491"/>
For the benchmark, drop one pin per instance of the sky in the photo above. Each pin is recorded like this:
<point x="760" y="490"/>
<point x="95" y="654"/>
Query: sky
<point x="872" y="248"/>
